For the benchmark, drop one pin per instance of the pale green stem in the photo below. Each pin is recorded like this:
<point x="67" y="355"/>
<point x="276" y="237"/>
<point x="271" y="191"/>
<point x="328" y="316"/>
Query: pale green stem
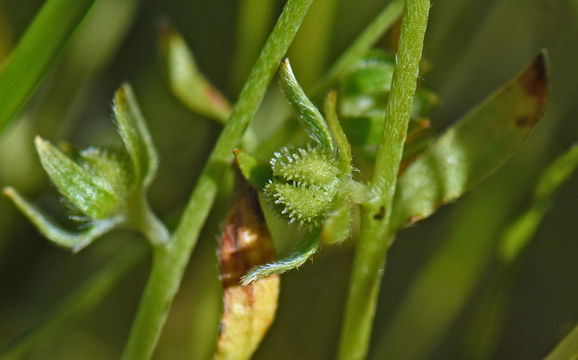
<point x="310" y="50"/>
<point x="370" y="35"/>
<point x="253" y="23"/>
<point x="80" y="302"/>
<point x="35" y="52"/>
<point x="169" y="261"/>
<point x="375" y="237"/>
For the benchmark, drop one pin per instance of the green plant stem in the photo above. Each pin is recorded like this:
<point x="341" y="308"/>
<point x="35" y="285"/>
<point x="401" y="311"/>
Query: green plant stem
<point x="253" y="23"/>
<point x="169" y="261"/>
<point x="310" y="50"/>
<point x="80" y="302"/>
<point x="375" y="237"/>
<point x="360" y="46"/>
<point x="36" y="51"/>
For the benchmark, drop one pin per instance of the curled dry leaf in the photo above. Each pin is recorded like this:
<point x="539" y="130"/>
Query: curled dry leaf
<point x="246" y="242"/>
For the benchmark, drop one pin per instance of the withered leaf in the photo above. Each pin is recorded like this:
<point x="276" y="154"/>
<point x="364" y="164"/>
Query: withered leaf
<point x="246" y="242"/>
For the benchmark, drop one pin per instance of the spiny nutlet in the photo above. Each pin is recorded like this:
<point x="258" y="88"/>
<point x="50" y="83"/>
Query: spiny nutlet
<point x="304" y="184"/>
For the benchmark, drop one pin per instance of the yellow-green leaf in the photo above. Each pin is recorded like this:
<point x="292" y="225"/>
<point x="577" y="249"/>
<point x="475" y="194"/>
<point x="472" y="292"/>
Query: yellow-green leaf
<point x="521" y="231"/>
<point x="185" y="79"/>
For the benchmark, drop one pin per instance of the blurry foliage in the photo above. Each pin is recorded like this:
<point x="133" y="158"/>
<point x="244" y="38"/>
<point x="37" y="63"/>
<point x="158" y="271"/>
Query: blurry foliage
<point x="473" y="48"/>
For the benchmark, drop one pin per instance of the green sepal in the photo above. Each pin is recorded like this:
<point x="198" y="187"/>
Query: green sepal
<point x="337" y="225"/>
<point x="521" y="231"/>
<point x="309" y="246"/>
<point x="344" y="158"/>
<point x="307" y="112"/>
<point x="135" y="135"/>
<point x="74" y="241"/>
<point x="110" y="168"/>
<point x="94" y="197"/>
<point x="475" y="146"/>
<point x="256" y="172"/>
<point x="186" y="80"/>
<point x="372" y="74"/>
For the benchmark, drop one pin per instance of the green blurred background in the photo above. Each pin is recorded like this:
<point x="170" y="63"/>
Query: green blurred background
<point x="473" y="48"/>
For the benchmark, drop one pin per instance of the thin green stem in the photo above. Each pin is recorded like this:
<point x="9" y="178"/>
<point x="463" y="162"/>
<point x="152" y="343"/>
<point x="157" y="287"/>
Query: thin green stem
<point x="370" y="35"/>
<point x="36" y="51"/>
<point x="169" y="261"/>
<point x="375" y="237"/>
<point x="310" y="51"/>
<point x="80" y="302"/>
<point x="253" y="23"/>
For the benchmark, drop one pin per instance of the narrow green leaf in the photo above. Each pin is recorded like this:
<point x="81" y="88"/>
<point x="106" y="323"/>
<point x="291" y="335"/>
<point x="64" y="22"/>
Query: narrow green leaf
<point x="521" y="231"/>
<point x="135" y="135"/>
<point x="474" y="147"/>
<point x="306" y="249"/>
<point x="94" y="198"/>
<point x="75" y="241"/>
<point x="308" y="113"/>
<point x="341" y="143"/>
<point x="35" y="51"/>
<point x="557" y="174"/>
<point x="567" y="348"/>
<point x="186" y="80"/>
<point x="256" y="172"/>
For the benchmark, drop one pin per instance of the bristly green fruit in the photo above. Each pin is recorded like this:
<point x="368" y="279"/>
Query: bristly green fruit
<point x="107" y="186"/>
<point x="311" y="185"/>
<point x="304" y="184"/>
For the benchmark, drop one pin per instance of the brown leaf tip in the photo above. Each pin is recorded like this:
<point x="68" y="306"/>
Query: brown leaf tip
<point x="245" y="241"/>
<point x="537" y="76"/>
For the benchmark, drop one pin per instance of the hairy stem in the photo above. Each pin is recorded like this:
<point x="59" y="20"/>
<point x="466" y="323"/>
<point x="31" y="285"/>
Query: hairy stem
<point x="375" y="237"/>
<point x="169" y="261"/>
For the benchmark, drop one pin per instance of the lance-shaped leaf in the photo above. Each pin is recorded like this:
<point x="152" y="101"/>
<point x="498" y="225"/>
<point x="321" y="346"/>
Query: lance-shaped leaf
<point x="309" y="246"/>
<point x="523" y="229"/>
<point x="474" y="147"/>
<point x="135" y="135"/>
<point x="246" y="242"/>
<point x="36" y="51"/>
<point x="307" y="112"/>
<point x="75" y="241"/>
<point x="567" y="348"/>
<point x="186" y="80"/>
<point x="94" y="198"/>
